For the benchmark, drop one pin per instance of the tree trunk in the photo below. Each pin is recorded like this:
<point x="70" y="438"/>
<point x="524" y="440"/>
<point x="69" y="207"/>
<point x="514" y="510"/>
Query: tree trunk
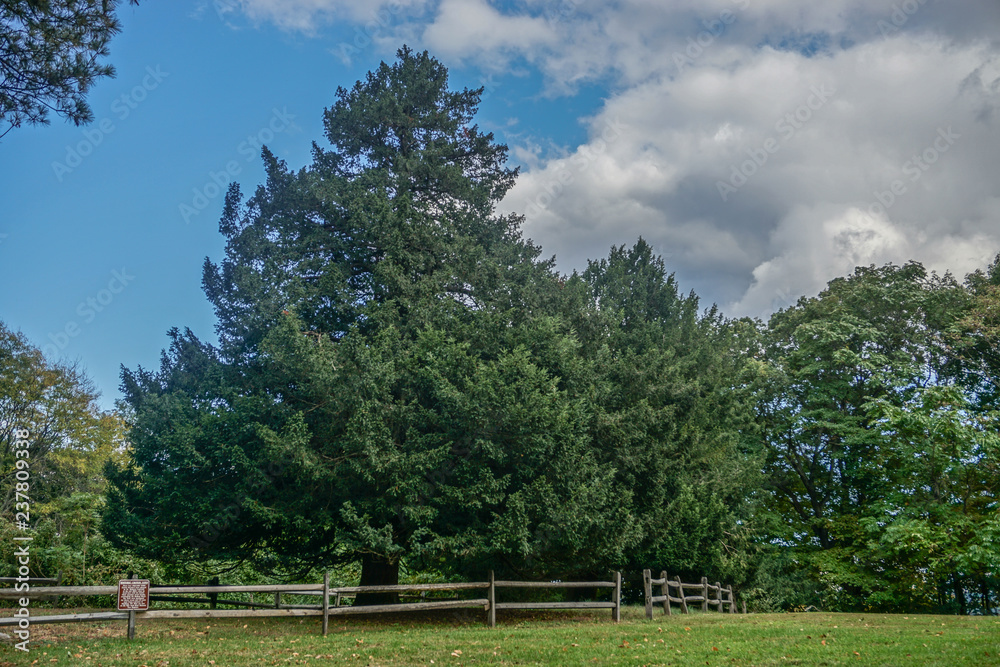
<point x="377" y="571"/>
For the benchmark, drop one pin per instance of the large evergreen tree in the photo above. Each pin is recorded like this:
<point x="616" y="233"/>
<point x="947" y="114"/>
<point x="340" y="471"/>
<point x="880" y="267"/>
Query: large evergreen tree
<point x="672" y="412"/>
<point x="389" y="383"/>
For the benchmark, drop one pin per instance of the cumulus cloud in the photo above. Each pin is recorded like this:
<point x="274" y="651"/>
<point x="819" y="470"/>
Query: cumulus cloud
<point x="471" y="27"/>
<point x="766" y="178"/>
<point x="813" y="245"/>
<point x="763" y="147"/>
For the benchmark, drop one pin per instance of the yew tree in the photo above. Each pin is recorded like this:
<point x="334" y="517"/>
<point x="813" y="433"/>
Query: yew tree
<point x="672" y="413"/>
<point x="392" y="382"/>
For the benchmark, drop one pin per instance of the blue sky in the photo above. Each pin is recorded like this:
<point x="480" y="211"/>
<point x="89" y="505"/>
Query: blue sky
<point x="751" y="142"/>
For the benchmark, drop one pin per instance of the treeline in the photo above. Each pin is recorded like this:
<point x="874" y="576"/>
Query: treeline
<point x="71" y="439"/>
<point x="879" y="425"/>
<point x="403" y="382"/>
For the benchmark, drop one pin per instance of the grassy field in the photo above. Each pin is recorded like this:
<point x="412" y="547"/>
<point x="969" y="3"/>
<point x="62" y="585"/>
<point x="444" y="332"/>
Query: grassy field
<point x="460" y="638"/>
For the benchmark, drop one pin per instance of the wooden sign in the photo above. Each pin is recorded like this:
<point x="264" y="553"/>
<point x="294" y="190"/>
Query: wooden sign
<point x="133" y="594"/>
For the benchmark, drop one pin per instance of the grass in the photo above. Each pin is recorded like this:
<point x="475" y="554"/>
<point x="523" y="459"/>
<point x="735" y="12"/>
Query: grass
<point x="544" y="638"/>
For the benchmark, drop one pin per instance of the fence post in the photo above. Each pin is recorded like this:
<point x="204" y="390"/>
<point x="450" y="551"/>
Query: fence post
<point x="131" y="619"/>
<point x="326" y="602"/>
<point x="616" y="613"/>
<point x="704" y="594"/>
<point x="277" y="600"/>
<point x="213" y="597"/>
<point x="681" y="595"/>
<point x="744" y="603"/>
<point x="491" y="616"/>
<point x="665" y="590"/>
<point x="647" y="588"/>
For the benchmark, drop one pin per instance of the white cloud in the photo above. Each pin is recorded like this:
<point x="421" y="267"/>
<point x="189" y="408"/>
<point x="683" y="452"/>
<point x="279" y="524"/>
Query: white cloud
<point x="808" y="147"/>
<point x="472" y="27"/>
<point x="821" y="118"/>
<point x="815" y="245"/>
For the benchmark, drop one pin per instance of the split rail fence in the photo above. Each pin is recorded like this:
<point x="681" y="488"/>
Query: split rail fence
<point x="722" y="596"/>
<point x="325" y="609"/>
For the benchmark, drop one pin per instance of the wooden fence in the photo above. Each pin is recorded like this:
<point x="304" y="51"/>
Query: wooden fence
<point x="55" y="581"/>
<point x="324" y="609"/>
<point x="615" y="604"/>
<point x="722" y="596"/>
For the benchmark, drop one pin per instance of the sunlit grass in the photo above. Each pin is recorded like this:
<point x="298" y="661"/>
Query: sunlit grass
<point x="461" y="638"/>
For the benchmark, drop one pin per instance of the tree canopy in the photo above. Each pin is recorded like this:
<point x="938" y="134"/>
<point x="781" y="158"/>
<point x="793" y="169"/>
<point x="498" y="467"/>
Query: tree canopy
<point x="880" y="431"/>
<point x="50" y="57"/>
<point x="70" y="438"/>
<point x="401" y="378"/>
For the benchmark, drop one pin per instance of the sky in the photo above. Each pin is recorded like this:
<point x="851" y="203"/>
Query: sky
<point x="762" y="147"/>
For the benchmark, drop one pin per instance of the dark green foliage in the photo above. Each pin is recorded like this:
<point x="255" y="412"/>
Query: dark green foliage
<point x="672" y="413"/>
<point x="401" y="380"/>
<point x="388" y="384"/>
<point x="50" y="54"/>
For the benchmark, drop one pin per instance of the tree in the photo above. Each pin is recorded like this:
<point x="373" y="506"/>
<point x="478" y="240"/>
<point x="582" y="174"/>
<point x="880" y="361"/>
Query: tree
<point x="933" y="534"/>
<point x="69" y="435"/>
<point x="877" y="335"/>
<point x="50" y="53"/>
<point x="672" y="412"/>
<point x="390" y="385"/>
<point x="70" y="439"/>
<point x="975" y="337"/>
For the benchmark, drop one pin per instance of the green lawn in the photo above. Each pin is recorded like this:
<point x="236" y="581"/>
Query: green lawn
<point x="460" y="638"/>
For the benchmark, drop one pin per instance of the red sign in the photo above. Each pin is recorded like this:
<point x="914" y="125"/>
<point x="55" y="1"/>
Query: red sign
<point x="133" y="594"/>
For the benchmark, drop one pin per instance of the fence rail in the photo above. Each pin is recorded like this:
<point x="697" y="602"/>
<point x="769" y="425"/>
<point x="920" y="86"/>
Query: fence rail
<point x="615" y="604"/>
<point x="325" y="609"/>
<point x="722" y="596"/>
